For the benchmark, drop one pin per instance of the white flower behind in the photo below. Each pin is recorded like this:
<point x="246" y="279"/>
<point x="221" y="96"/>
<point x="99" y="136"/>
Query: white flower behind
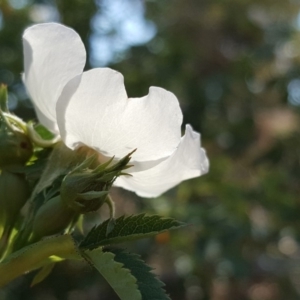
<point x="92" y="108"/>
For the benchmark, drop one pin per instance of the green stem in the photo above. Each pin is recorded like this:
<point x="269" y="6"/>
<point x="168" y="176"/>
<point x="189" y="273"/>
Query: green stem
<point x="111" y="205"/>
<point x="31" y="257"/>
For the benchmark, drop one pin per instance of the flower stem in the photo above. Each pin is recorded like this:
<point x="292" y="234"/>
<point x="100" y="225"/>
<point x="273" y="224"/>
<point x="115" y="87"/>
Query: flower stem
<point x="111" y="206"/>
<point x="31" y="257"/>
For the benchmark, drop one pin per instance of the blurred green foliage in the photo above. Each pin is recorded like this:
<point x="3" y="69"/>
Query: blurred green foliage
<point x="235" y="67"/>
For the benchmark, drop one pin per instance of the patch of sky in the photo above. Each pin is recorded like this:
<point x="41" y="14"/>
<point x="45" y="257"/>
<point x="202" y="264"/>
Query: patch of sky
<point x="19" y="4"/>
<point x="118" y="25"/>
<point x="44" y="12"/>
<point x="293" y="89"/>
<point x="297" y="22"/>
<point x="12" y="101"/>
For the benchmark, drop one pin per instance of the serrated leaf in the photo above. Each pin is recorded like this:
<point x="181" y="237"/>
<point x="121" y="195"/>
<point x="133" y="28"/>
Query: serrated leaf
<point x="149" y="285"/>
<point x="42" y="274"/>
<point x="128" y="228"/>
<point x="119" y="278"/>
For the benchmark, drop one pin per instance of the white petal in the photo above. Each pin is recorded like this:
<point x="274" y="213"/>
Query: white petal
<point x="94" y="110"/>
<point x="188" y="161"/>
<point x="53" y="54"/>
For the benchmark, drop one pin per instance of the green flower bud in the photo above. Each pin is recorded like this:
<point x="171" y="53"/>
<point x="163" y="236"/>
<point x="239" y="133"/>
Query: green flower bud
<point x="15" y="148"/>
<point x="14" y="191"/>
<point x="85" y="189"/>
<point x="52" y="217"/>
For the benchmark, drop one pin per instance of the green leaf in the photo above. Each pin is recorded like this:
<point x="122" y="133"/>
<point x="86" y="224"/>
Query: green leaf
<point x="35" y="168"/>
<point x="42" y="274"/>
<point x="54" y="188"/>
<point x="43" y="132"/>
<point x="59" y="163"/>
<point x="128" y="228"/>
<point x="119" y="278"/>
<point x="149" y="285"/>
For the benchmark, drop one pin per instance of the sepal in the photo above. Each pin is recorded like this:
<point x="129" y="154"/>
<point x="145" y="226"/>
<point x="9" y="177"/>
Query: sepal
<point x="86" y="189"/>
<point x="15" y="147"/>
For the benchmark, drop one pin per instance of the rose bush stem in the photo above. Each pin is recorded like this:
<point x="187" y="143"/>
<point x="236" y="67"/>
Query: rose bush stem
<point x="33" y="256"/>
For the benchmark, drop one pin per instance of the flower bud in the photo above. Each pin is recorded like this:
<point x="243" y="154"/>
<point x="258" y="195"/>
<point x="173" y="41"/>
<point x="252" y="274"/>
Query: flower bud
<point x="82" y="192"/>
<point x="14" y="191"/>
<point x="15" y="148"/>
<point x="52" y="218"/>
<point x="85" y="189"/>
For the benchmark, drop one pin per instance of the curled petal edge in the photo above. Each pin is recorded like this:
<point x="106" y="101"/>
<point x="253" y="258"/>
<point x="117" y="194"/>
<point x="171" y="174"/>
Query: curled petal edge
<point x="188" y="161"/>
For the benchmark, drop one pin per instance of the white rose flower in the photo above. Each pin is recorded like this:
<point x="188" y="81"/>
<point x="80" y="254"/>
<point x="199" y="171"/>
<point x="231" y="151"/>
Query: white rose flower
<point x="92" y="109"/>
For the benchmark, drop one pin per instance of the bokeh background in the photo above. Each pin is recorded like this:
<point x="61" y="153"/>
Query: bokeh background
<point x="235" y="67"/>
